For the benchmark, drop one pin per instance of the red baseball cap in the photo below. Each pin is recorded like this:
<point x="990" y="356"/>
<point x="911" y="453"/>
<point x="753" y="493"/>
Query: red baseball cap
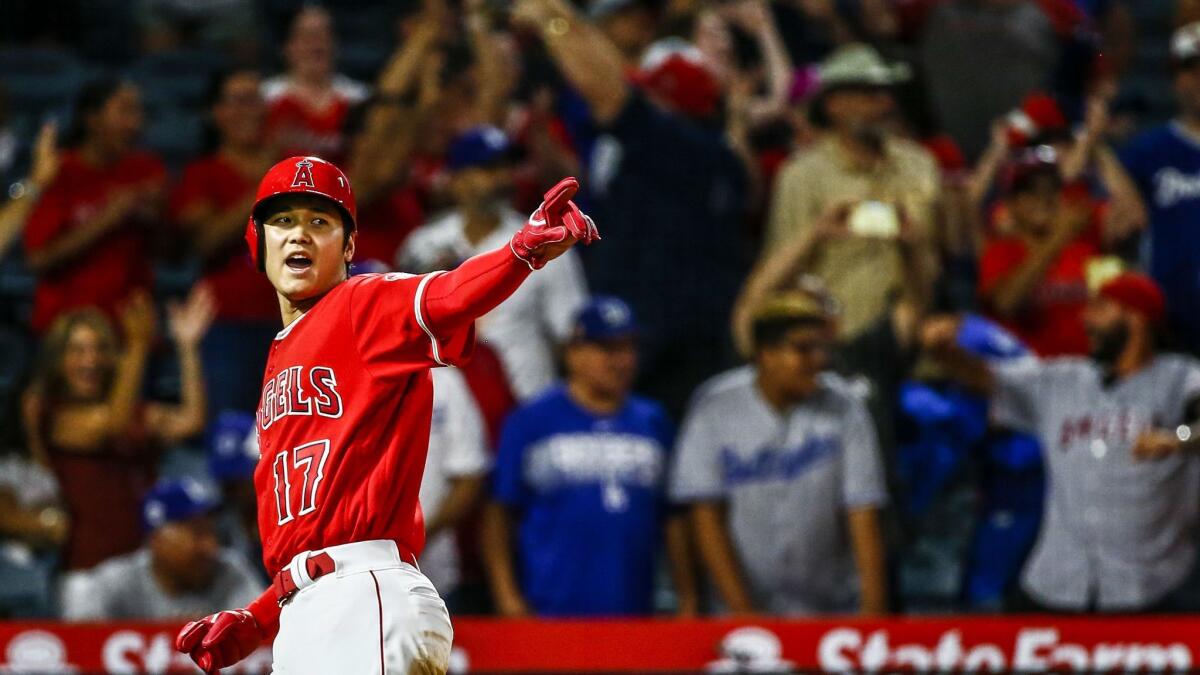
<point x="1138" y="293"/>
<point x="1038" y="117"/>
<point x="675" y="70"/>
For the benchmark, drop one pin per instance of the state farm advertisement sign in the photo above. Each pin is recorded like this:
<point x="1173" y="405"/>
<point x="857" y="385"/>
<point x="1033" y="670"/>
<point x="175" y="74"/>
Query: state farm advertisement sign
<point x="975" y="644"/>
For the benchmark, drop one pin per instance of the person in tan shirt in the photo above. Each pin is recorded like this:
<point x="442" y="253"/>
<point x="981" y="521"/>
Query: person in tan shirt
<point x="856" y="160"/>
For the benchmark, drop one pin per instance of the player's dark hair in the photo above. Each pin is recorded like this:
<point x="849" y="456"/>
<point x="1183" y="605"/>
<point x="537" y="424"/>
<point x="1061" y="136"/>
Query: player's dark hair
<point x="771" y="331"/>
<point x="91" y="99"/>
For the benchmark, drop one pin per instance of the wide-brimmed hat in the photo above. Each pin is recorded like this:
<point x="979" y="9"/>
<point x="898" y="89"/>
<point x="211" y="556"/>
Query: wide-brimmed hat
<point x="860" y="65"/>
<point x="791" y="305"/>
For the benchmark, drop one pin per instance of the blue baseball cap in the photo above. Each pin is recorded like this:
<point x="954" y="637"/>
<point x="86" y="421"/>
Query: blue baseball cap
<point x="480" y="146"/>
<point x="173" y="500"/>
<point x="232" y="452"/>
<point x="987" y="339"/>
<point x="604" y="317"/>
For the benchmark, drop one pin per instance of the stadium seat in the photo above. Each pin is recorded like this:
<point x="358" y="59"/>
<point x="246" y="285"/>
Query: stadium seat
<point x="362" y="61"/>
<point x="177" y="134"/>
<point x="179" y="78"/>
<point x="40" y="82"/>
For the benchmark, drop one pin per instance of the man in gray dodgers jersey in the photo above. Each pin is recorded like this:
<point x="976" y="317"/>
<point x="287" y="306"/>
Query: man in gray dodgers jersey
<point x="1119" y="531"/>
<point x="780" y="464"/>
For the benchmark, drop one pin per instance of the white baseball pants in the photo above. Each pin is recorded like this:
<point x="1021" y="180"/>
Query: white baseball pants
<point x="374" y="614"/>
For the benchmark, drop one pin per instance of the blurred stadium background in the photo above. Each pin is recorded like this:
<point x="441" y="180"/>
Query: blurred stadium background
<point x="885" y="360"/>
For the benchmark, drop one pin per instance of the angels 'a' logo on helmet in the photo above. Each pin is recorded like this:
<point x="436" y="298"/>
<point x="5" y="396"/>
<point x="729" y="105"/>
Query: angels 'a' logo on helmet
<point x="304" y="177"/>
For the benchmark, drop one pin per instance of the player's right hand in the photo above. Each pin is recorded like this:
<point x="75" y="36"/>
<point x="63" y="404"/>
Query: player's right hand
<point x="220" y="640"/>
<point x="554" y="227"/>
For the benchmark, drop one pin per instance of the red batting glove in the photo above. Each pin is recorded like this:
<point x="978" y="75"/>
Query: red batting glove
<point x="554" y="227"/>
<point x="220" y="640"/>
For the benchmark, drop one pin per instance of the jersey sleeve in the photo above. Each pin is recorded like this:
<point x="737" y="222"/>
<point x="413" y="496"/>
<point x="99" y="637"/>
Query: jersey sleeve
<point x="1016" y="399"/>
<point x="391" y="330"/>
<point x="1190" y="389"/>
<point x="863" y="481"/>
<point x="508" y="482"/>
<point x="696" y="470"/>
<point x="1186" y="394"/>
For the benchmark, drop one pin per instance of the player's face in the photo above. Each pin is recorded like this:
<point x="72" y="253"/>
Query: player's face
<point x="792" y="365"/>
<point x="305" y="249"/>
<point x="608" y="367"/>
<point x="86" y="364"/>
<point x="240" y="111"/>
<point x="187" y="551"/>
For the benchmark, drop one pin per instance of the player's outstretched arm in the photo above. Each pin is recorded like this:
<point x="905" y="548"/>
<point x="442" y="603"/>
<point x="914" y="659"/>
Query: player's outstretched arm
<point x="220" y="640"/>
<point x="454" y="299"/>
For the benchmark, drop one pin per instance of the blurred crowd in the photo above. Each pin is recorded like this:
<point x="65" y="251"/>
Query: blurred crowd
<point x="894" y="310"/>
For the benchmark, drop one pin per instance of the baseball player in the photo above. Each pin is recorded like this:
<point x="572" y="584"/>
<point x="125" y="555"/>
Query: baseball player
<point x="1118" y="437"/>
<point x="343" y="428"/>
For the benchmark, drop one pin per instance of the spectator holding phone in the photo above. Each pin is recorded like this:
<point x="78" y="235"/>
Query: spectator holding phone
<point x="1034" y="281"/>
<point x="857" y="160"/>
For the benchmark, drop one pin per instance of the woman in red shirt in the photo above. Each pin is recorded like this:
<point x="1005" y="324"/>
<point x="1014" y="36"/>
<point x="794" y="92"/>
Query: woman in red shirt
<point x="87" y="239"/>
<point x="308" y="104"/>
<point x="92" y="426"/>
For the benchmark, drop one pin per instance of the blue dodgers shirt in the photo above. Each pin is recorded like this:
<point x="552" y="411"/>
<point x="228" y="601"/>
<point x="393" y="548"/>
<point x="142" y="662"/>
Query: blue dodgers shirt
<point x="590" y="492"/>
<point x="1165" y="164"/>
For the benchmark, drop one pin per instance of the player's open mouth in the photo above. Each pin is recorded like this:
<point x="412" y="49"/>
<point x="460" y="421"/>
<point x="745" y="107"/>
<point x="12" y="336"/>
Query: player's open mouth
<point x="298" y="262"/>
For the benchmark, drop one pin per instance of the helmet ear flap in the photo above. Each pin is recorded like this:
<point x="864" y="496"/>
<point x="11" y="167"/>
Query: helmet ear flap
<point x="260" y="252"/>
<point x="255" y="244"/>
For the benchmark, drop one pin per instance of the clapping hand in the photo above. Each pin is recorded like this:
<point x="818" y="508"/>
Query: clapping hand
<point x="189" y="320"/>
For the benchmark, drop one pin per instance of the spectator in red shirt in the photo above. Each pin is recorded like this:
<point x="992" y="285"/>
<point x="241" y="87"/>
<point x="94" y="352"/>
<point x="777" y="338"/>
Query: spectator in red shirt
<point x="308" y="103"/>
<point x="1034" y="281"/>
<point x="211" y="204"/>
<point x="87" y="238"/>
<point x="95" y="430"/>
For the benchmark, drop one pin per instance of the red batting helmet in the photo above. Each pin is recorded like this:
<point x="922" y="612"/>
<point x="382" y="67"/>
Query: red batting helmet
<point x="299" y="175"/>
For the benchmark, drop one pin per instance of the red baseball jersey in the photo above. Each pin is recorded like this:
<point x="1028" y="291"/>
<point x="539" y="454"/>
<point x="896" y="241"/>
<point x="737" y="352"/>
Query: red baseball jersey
<point x="343" y="423"/>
